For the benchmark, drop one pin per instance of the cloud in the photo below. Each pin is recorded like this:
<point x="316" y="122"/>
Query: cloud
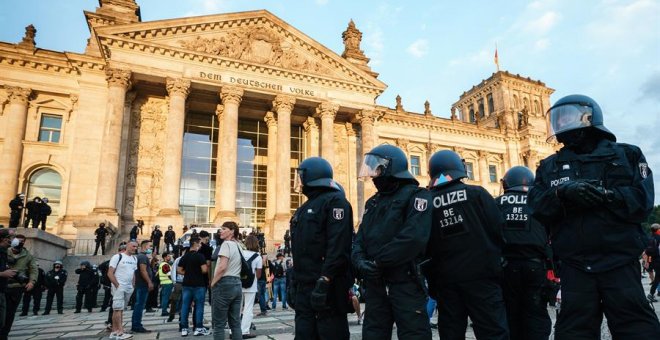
<point x="628" y="27"/>
<point x="650" y="90"/>
<point x="419" y="48"/>
<point x="374" y="44"/>
<point x="543" y="24"/>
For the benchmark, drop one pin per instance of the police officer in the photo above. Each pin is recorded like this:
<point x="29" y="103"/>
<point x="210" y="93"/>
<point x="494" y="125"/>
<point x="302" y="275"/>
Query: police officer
<point x="16" y="208"/>
<point x="465" y="250"/>
<point x="170" y="236"/>
<point x="33" y="212"/>
<point x="44" y="212"/>
<point x="101" y="232"/>
<point x="321" y="232"/>
<point x="594" y="194"/>
<point x="390" y="241"/>
<point x="55" y="281"/>
<point x="525" y="253"/>
<point x="156" y="235"/>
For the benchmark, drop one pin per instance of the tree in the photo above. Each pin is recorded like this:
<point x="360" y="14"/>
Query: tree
<point x="654" y="217"/>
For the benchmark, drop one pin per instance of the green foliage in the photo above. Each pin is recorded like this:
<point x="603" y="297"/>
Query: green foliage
<point x="654" y="217"/>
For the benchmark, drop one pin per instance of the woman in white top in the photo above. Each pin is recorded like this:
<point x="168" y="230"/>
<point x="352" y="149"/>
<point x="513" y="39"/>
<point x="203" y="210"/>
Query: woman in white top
<point x="226" y="285"/>
<point x="251" y="255"/>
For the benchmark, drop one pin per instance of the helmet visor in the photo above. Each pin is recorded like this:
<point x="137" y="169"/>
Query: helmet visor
<point x="297" y="181"/>
<point x="372" y="166"/>
<point x="568" y="117"/>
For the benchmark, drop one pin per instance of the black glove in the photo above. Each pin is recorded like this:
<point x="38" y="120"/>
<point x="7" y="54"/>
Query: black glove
<point x="584" y="194"/>
<point x="368" y="270"/>
<point x="291" y="295"/>
<point x="320" y="295"/>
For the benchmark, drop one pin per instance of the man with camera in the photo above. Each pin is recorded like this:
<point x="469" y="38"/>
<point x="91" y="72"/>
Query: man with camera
<point x="25" y="265"/>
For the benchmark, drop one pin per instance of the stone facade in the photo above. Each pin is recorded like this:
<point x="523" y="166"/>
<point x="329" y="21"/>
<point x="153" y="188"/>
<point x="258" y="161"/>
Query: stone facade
<point x="123" y="106"/>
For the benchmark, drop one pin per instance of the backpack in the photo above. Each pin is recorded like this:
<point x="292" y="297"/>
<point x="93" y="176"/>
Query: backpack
<point x="653" y="248"/>
<point x="247" y="275"/>
<point x="278" y="270"/>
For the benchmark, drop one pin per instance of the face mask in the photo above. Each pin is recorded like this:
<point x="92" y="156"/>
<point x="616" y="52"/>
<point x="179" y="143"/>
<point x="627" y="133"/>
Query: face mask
<point x="15" y="243"/>
<point x="148" y="252"/>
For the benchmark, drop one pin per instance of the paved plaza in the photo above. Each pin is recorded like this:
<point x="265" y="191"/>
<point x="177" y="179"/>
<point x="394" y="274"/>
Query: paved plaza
<point x="277" y="325"/>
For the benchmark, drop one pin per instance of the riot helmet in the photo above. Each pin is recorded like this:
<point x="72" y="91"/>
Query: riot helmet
<point x="575" y="112"/>
<point x="446" y="166"/>
<point x="314" y="172"/>
<point x="518" y="178"/>
<point x="385" y="161"/>
<point x="45" y="199"/>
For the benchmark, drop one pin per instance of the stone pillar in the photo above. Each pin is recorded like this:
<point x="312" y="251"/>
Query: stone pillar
<point x="283" y="105"/>
<point x="352" y="185"/>
<point x="484" y="175"/>
<point x="219" y="113"/>
<point x="226" y="208"/>
<point x="15" y="113"/>
<point x="178" y="90"/>
<point x="118" y="83"/>
<point x="327" y="112"/>
<point x="367" y="119"/>
<point x="271" y="169"/>
<point x="312" y="134"/>
<point x="532" y="159"/>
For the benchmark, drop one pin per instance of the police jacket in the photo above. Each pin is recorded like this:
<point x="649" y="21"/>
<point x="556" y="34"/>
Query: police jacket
<point x="101" y="233"/>
<point x="16" y="204"/>
<point x="170" y="236"/>
<point x="87" y="279"/>
<point x="321" y="232"/>
<point x="604" y="237"/>
<point x="55" y="279"/>
<point x="32" y="209"/>
<point x="525" y="237"/>
<point x="156" y="235"/>
<point x="394" y="231"/>
<point x="466" y="236"/>
<point x="103" y="269"/>
<point x="44" y="210"/>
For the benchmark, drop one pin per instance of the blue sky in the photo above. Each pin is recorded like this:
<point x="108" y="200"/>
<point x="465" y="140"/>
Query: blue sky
<point x="435" y="50"/>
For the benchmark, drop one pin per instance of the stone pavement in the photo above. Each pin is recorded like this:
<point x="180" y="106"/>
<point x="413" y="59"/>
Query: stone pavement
<point x="277" y="325"/>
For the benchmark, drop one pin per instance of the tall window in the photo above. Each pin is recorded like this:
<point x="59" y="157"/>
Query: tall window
<point x="415" y="165"/>
<point x="472" y="117"/>
<point x="492" y="171"/>
<point x="47" y="183"/>
<point x="50" y="128"/>
<point x="481" y="108"/>
<point x="297" y="156"/>
<point x="491" y="104"/>
<point x="469" y="169"/>
<point x="251" y="177"/>
<point x="198" y="167"/>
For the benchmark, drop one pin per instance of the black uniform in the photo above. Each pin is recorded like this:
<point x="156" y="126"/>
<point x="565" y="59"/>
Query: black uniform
<point x="16" y="207"/>
<point x="106" y="284"/>
<point x="170" y="236"/>
<point x="55" y="281"/>
<point x="156" y="235"/>
<point x="321" y="238"/>
<point x="34" y="294"/>
<point x="524" y="276"/>
<point x="87" y="282"/>
<point x="599" y="246"/>
<point x="44" y="212"/>
<point x="101" y="233"/>
<point x="394" y="233"/>
<point x="33" y="213"/>
<point x="465" y="248"/>
<point x="134" y="232"/>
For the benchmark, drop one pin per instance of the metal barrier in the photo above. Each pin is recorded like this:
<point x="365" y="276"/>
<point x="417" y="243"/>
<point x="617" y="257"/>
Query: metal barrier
<point x="85" y="246"/>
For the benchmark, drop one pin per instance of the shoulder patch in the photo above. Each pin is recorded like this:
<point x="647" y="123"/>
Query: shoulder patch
<point x="643" y="169"/>
<point x="338" y="213"/>
<point x="421" y="204"/>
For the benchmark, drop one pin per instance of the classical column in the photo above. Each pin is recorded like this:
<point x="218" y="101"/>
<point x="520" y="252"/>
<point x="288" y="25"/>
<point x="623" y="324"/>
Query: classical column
<point x="532" y="159"/>
<point x="367" y="119"/>
<point x="178" y="90"/>
<point x="327" y="112"/>
<point x="352" y="185"/>
<point x="312" y="134"/>
<point x="271" y="168"/>
<point x="106" y="190"/>
<point x="226" y="208"/>
<point x="484" y="174"/>
<point x="15" y="113"/>
<point x="283" y="105"/>
<point x="219" y="113"/>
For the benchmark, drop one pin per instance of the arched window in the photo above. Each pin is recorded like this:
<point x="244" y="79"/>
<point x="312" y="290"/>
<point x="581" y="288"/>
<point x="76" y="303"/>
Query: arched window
<point x="537" y="107"/>
<point x="491" y="104"/>
<point x="516" y="103"/>
<point x="46" y="182"/>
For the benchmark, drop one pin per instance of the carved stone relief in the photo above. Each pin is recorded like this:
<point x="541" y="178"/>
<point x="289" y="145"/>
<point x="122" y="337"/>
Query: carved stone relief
<point x="145" y="163"/>
<point x="255" y="44"/>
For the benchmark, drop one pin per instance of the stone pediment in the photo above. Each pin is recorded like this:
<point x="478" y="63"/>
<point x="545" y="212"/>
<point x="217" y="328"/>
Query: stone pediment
<point x="253" y="38"/>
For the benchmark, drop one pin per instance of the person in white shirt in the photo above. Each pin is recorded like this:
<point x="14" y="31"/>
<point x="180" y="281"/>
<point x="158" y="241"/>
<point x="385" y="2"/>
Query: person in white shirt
<point x="226" y="285"/>
<point x="251" y="256"/>
<point x="122" y="276"/>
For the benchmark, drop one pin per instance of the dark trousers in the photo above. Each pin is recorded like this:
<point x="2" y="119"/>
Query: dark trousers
<point x="481" y="300"/>
<point x="107" y="298"/>
<point x="152" y="297"/>
<point x="175" y="300"/>
<point x="403" y="303"/>
<point x="618" y="293"/>
<point x="100" y="243"/>
<point x="156" y="244"/>
<point x="656" y="278"/>
<point x="168" y="245"/>
<point x="34" y="294"/>
<point x="13" y="298"/>
<point x="526" y="310"/>
<point x="52" y="292"/>
<point x="42" y="221"/>
<point x="88" y="295"/>
<point x="14" y="219"/>
<point x="313" y="325"/>
<point x="35" y="221"/>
